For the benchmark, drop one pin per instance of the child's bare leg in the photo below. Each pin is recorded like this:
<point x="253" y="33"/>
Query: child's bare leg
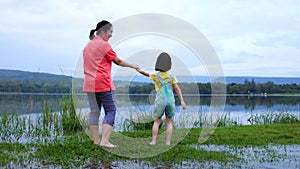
<point x="155" y="128"/>
<point x="169" y="126"/>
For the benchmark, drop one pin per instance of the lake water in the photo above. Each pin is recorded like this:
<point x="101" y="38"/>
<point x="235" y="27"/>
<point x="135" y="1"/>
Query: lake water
<point x="34" y="103"/>
<point x="238" y="108"/>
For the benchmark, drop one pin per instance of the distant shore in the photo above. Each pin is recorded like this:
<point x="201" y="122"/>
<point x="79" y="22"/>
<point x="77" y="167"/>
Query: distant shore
<point x="120" y="94"/>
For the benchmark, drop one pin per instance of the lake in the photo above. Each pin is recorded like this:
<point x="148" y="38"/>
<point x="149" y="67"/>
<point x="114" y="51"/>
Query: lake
<point x="237" y="108"/>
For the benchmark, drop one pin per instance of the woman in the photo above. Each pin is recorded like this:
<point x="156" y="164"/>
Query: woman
<point x="98" y="57"/>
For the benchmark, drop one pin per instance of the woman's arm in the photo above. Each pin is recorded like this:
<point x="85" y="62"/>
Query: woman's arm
<point x="122" y="63"/>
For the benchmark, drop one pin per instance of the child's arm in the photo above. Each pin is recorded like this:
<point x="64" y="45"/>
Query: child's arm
<point x="143" y="72"/>
<point x="178" y="91"/>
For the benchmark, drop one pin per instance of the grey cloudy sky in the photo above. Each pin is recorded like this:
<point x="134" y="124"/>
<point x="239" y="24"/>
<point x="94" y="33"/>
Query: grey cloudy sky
<point x="250" y="38"/>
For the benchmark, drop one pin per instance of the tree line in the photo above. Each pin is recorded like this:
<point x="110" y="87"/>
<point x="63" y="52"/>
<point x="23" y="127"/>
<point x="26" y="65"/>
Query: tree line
<point x="65" y="86"/>
<point x="248" y="87"/>
<point x="32" y="86"/>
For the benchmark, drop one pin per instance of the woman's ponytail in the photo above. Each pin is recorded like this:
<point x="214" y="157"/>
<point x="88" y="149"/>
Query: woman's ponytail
<point x="92" y="34"/>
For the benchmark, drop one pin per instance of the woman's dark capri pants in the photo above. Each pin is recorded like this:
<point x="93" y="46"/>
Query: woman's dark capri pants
<point x="96" y="101"/>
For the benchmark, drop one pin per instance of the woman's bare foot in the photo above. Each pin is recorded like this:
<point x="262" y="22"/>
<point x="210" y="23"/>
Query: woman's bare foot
<point x="107" y="145"/>
<point x="97" y="142"/>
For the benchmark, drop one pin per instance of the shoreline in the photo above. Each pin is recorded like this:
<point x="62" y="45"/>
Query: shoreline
<point x="121" y="94"/>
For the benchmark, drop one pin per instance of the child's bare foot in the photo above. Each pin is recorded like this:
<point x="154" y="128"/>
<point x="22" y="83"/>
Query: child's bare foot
<point x="152" y="143"/>
<point x="168" y="143"/>
<point x="97" y="142"/>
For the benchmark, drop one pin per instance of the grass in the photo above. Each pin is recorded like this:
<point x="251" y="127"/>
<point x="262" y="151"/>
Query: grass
<point x="256" y="135"/>
<point x="77" y="150"/>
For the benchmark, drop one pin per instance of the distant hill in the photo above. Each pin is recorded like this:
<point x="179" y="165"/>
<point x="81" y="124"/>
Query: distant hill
<point x="16" y="81"/>
<point x="37" y="76"/>
<point x="26" y="75"/>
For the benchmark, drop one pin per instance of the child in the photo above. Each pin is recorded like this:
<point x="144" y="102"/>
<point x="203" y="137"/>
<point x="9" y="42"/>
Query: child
<point x="164" y="101"/>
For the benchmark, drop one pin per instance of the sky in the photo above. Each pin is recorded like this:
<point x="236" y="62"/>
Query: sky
<point x="249" y="38"/>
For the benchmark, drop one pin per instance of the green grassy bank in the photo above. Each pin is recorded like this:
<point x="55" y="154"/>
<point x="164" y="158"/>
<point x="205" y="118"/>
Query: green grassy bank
<point x="77" y="150"/>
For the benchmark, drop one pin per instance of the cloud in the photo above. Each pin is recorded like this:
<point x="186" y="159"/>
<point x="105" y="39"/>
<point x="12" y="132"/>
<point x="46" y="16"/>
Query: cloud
<point x="244" y="34"/>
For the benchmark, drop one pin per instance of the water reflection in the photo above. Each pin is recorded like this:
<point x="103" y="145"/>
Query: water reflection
<point x="233" y="103"/>
<point x="34" y="103"/>
<point x="29" y="103"/>
<point x="270" y="156"/>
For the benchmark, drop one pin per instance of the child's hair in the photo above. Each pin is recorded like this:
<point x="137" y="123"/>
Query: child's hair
<point x="103" y="25"/>
<point x="163" y="62"/>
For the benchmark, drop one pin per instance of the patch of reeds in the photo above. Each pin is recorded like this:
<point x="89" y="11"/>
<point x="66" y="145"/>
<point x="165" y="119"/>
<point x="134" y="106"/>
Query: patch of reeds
<point x="70" y="121"/>
<point x="23" y="128"/>
<point x="48" y="125"/>
<point x="138" y="120"/>
<point x="225" y="120"/>
<point x="273" y="118"/>
<point x="214" y="119"/>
